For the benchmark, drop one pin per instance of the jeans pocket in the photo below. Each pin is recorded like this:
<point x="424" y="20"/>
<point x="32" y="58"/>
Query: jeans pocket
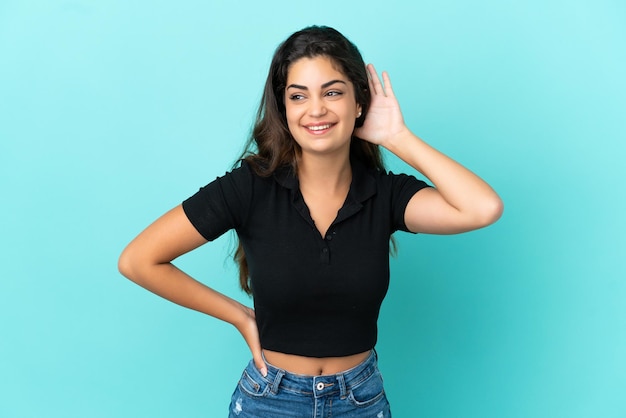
<point x="253" y="384"/>
<point x="369" y="392"/>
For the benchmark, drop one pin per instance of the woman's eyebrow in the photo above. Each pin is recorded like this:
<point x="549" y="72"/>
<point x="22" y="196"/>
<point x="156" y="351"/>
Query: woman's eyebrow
<point x="327" y="84"/>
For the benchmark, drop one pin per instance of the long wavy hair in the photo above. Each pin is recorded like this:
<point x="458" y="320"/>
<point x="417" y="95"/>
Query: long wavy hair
<point x="271" y="145"/>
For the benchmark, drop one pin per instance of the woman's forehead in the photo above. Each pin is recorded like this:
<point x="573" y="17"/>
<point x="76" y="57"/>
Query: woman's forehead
<point x="313" y="69"/>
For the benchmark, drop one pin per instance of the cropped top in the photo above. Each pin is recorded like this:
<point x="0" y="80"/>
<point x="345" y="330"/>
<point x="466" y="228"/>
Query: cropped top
<point x="314" y="295"/>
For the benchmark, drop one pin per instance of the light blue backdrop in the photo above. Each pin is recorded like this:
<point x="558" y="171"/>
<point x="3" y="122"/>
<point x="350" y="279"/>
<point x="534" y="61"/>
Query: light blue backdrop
<point x="111" y="112"/>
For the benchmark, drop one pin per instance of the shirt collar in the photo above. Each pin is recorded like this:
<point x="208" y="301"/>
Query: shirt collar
<point x="363" y="184"/>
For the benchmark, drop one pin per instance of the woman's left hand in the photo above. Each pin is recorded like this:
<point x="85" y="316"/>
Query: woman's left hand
<point x="384" y="119"/>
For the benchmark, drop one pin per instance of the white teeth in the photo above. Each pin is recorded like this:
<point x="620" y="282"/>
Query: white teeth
<point x="319" y="128"/>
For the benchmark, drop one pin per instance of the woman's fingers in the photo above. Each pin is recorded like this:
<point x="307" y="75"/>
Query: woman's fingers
<point x="374" y="81"/>
<point x="251" y="335"/>
<point x="387" y="81"/>
<point x="258" y="361"/>
<point x="376" y="86"/>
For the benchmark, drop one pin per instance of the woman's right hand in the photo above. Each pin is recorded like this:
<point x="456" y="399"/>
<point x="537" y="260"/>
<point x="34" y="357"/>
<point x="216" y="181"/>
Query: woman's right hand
<point x="147" y="262"/>
<point x="250" y="333"/>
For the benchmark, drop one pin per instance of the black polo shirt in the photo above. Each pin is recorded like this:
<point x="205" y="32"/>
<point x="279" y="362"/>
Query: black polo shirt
<point x="314" y="296"/>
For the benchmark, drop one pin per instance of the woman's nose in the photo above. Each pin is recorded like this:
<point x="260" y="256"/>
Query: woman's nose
<point x="317" y="107"/>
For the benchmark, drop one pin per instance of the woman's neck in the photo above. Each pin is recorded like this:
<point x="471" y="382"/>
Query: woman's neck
<point x="324" y="173"/>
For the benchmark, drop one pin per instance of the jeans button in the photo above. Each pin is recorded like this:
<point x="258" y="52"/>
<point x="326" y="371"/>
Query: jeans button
<point x="320" y="386"/>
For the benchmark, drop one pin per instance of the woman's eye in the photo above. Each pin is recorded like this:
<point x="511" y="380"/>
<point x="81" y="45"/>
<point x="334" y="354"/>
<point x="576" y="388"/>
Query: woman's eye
<point x="296" y="97"/>
<point x="334" y="93"/>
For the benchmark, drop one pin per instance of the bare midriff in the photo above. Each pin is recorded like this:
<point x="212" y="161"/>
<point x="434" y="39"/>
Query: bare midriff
<point x="313" y="366"/>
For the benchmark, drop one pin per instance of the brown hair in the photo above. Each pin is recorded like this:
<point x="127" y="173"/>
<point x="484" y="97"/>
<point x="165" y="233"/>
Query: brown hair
<point x="271" y="144"/>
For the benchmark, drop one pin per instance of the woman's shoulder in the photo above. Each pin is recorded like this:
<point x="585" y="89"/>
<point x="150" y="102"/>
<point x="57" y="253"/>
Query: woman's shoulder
<point x="387" y="181"/>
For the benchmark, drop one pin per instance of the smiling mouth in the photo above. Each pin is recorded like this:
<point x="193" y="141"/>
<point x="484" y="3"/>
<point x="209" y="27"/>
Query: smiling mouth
<point x="320" y="128"/>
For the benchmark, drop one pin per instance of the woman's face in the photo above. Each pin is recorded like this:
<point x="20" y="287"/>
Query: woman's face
<point x="320" y="105"/>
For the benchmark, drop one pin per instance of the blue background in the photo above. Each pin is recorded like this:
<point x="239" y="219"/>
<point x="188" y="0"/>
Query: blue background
<point x="112" y="112"/>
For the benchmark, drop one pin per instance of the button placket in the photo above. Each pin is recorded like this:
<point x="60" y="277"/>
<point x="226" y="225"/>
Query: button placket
<point x="325" y="255"/>
<point x="326" y="241"/>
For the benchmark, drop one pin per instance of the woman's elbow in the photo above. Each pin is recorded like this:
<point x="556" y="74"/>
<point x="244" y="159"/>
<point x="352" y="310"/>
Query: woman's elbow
<point x="491" y="210"/>
<point x="124" y="265"/>
<point x="127" y="264"/>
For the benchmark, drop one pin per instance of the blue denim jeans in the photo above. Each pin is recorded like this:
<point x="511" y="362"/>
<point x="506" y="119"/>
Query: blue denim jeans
<point x="357" y="392"/>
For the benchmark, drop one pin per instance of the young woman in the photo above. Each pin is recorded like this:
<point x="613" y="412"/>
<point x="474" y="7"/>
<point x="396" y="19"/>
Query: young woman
<point x="314" y="211"/>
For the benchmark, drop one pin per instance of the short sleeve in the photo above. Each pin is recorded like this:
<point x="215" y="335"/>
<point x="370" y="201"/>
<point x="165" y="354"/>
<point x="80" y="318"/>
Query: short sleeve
<point x="403" y="188"/>
<point x="222" y="204"/>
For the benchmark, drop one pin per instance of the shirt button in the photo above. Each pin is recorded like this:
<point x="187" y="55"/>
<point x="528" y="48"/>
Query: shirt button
<point x="325" y="250"/>
<point x="329" y="237"/>
<point x="320" y="386"/>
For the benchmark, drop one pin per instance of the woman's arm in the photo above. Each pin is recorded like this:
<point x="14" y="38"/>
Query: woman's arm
<point x="147" y="262"/>
<point x="461" y="201"/>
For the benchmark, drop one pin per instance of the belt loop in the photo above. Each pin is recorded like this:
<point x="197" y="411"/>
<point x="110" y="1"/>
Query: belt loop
<point x="276" y="383"/>
<point x="342" y="386"/>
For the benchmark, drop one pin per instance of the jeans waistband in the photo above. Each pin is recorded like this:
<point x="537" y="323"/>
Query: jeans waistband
<point x="324" y="385"/>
